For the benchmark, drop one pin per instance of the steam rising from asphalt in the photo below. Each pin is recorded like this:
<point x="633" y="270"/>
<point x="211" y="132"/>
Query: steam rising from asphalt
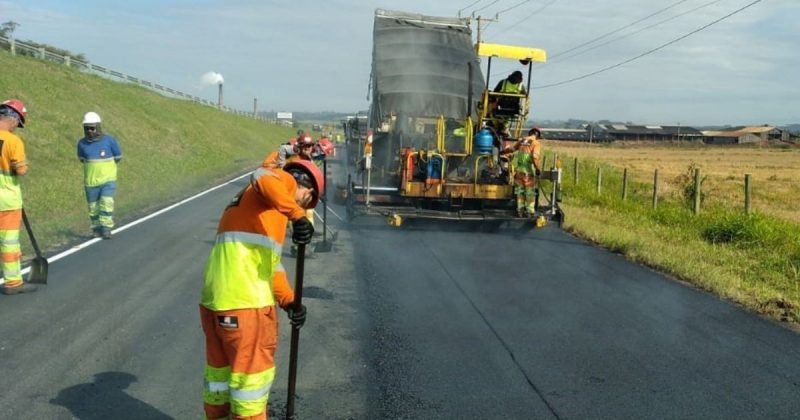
<point x="212" y="78"/>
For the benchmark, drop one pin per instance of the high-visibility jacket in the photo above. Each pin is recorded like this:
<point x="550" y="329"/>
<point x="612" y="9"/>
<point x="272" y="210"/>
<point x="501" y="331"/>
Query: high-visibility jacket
<point x="526" y="157"/>
<point x="508" y="87"/>
<point x="99" y="159"/>
<point x="12" y="164"/>
<point x="244" y="269"/>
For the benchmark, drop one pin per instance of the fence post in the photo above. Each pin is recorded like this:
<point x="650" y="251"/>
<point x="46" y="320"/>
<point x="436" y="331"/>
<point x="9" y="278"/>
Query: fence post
<point x="625" y="184"/>
<point x="748" y="191"/>
<point x="41" y="53"/>
<point x="544" y="161"/>
<point x="66" y="60"/>
<point x="697" y="191"/>
<point x="575" y="170"/>
<point x="13" y="45"/>
<point x="599" y="179"/>
<point x="655" y="190"/>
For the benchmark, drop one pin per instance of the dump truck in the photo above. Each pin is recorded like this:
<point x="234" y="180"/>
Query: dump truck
<point x="430" y="149"/>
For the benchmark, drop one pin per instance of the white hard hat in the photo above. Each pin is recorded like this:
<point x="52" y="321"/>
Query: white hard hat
<point x="91" y="118"/>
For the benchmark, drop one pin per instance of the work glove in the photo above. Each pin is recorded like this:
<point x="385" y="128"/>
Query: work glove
<point x="297" y="316"/>
<point x="302" y="231"/>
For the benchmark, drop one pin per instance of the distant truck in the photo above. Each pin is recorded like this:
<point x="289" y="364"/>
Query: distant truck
<point x="316" y="127"/>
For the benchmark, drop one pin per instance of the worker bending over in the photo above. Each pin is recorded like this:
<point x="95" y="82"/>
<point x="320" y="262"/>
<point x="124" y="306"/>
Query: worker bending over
<point x="245" y="283"/>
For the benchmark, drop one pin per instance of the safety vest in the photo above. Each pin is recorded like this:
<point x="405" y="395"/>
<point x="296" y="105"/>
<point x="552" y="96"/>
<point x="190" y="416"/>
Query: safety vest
<point x="508" y="87"/>
<point x="12" y="157"/>
<point x="99" y="159"/>
<point x="244" y="269"/>
<point x="523" y="159"/>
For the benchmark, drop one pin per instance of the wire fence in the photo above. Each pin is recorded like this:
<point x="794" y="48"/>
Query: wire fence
<point x="16" y="47"/>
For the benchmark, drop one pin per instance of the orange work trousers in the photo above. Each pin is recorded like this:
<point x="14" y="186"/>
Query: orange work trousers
<point x="240" y="361"/>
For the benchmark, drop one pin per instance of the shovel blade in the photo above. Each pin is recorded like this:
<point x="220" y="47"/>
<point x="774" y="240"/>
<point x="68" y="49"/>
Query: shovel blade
<point x="38" y="274"/>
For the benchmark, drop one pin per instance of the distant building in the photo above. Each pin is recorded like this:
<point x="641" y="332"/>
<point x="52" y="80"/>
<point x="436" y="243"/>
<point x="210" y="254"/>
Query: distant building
<point x="601" y="133"/>
<point x="588" y="134"/>
<point x="629" y="132"/>
<point x="742" y="135"/>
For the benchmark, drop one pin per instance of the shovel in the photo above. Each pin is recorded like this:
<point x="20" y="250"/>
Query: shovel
<point x="38" y="274"/>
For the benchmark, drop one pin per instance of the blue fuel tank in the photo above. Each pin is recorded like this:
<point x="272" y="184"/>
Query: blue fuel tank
<point x="484" y="141"/>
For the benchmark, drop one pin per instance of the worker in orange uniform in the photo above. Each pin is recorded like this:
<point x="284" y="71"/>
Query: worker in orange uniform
<point x="245" y="283"/>
<point x="13" y="164"/>
<point x="526" y="166"/>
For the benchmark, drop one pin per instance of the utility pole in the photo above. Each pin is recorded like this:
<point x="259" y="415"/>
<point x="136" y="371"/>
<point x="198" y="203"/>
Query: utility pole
<point x="482" y="19"/>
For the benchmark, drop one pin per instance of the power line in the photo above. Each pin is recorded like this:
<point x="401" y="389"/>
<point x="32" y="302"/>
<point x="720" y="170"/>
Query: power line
<point x="648" y="52"/>
<point x="512" y="7"/>
<point x="468" y="6"/>
<point x="633" y="33"/>
<point x="490" y="4"/>
<point x="527" y="17"/>
<point x="618" y="29"/>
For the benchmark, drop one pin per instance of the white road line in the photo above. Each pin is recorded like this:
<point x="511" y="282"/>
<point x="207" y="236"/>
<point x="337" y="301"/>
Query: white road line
<point x="81" y="246"/>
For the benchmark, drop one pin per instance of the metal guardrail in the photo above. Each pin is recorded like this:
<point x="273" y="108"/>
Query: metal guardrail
<point x="42" y="53"/>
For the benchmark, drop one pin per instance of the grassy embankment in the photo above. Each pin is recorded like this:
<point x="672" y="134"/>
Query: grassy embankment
<point x="171" y="148"/>
<point x="753" y="260"/>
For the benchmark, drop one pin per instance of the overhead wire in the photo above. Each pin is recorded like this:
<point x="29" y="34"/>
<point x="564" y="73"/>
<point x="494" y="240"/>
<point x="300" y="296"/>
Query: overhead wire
<point x="546" y="5"/>
<point x="484" y="7"/>
<point x="619" y="29"/>
<point x="512" y="7"/>
<point x="650" y="51"/>
<point x="630" y="34"/>
<point x="468" y="6"/>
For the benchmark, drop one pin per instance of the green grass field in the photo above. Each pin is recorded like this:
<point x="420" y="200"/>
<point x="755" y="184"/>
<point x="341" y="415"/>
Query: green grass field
<point x="172" y="148"/>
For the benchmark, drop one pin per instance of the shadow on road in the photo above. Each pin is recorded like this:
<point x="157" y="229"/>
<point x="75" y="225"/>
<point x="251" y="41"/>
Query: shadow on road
<point x="105" y="399"/>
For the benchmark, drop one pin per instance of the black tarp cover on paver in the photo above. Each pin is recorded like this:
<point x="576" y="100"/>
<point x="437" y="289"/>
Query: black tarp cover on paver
<point x="419" y="66"/>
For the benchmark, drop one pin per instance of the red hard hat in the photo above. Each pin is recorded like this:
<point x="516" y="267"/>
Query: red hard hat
<point x="313" y="176"/>
<point x="19" y="107"/>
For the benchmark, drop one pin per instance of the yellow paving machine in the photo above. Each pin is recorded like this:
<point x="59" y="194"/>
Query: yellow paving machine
<point x="435" y="130"/>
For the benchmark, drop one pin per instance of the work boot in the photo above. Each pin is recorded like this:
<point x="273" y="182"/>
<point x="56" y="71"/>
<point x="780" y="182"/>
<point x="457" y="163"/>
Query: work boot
<point x="96" y="233"/>
<point x="22" y="288"/>
<point x="106" y="233"/>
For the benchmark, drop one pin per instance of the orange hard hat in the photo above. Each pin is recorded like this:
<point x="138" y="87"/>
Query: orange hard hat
<point x="19" y="109"/>
<point x="307" y="174"/>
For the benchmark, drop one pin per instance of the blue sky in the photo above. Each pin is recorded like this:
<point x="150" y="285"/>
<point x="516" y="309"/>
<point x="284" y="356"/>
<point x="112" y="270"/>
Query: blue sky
<point x="315" y="55"/>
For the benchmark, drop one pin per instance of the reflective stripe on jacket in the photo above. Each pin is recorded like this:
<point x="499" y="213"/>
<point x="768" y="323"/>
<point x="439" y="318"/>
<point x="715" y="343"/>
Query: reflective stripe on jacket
<point x="12" y="164"/>
<point x="244" y="268"/>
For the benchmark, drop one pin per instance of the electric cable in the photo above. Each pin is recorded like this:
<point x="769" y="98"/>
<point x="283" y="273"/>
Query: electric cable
<point x="648" y="52"/>
<point x="512" y="7"/>
<point x="632" y="33"/>
<point x="546" y="5"/>
<point x="468" y="6"/>
<point x="619" y="29"/>
<point x="490" y="4"/>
